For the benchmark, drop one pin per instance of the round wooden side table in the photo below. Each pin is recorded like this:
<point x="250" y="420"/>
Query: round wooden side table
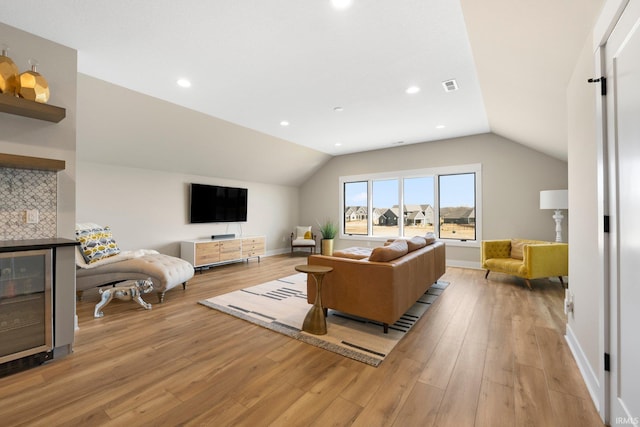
<point x="315" y="321"/>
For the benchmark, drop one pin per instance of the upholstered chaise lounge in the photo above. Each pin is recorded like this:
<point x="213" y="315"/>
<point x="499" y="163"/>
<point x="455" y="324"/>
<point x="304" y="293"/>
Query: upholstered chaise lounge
<point x="99" y="262"/>
<point x="166" y="272"/>
<point x="527" y="259"/>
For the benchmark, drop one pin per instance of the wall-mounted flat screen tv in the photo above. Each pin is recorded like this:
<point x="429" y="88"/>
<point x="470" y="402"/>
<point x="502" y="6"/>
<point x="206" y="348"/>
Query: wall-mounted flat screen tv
<point x="213" y="203"/>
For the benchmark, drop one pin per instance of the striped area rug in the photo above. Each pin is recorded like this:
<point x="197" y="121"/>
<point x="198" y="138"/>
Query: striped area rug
<point x="281" y="305"/>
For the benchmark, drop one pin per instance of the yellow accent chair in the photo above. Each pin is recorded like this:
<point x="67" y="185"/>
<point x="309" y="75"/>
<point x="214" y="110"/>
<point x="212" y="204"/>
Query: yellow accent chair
<point x="303" y="237"/>
<point x="528" y="259"/>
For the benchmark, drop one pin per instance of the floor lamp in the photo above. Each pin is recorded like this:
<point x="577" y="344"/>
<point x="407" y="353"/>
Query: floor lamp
<point x="556" y="200"/>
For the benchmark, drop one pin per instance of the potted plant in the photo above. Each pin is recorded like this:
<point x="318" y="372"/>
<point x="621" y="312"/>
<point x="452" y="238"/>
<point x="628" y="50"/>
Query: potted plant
<point x="328" y="229"/>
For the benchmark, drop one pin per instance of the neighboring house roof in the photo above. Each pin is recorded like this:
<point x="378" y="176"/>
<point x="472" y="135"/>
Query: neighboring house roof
<point x="458" y="212"/>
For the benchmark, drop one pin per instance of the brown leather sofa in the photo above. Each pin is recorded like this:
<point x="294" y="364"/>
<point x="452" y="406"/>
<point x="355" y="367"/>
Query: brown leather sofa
<point x="379" y="290"/>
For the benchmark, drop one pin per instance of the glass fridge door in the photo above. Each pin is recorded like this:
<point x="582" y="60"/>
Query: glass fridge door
<point x="26" y="321"/>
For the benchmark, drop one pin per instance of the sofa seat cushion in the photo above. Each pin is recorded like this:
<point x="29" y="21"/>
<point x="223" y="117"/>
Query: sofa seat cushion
<point x="506" y="265"/>
<point x="303" y="242"/>
<point x="390" y="252"/>
<point x="353" y="253"/>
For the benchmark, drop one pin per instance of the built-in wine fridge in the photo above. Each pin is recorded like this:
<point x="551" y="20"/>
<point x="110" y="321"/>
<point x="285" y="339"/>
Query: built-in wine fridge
<point x="26" y="320"/>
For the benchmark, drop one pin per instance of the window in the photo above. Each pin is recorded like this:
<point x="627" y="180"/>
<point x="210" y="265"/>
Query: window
<point x="445" y="201"/>
<point x="356" y="211"/>
<point x="384" y="215"/>
<point x="456" y="206"/>
<point x="418" y="206"/>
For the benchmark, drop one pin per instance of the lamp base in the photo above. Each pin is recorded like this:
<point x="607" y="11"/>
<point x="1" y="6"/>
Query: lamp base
<point x="558" y="217"/>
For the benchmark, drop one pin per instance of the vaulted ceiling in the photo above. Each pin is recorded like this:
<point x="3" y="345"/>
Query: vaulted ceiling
<point x="338" y="77"/>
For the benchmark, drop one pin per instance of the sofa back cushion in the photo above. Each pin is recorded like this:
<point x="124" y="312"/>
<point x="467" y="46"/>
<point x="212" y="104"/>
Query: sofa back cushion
<point x="430" y="237"/>
<point x="392" y="251"/>
<point x="416" y="243"/>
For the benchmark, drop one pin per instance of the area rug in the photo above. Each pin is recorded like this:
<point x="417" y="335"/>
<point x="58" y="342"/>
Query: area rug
<point x="281" y="305"/>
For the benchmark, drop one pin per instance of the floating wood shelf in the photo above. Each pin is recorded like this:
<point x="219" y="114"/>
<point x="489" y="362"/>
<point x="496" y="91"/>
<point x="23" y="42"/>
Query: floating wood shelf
<point x="36" y="110"/>
<point x="25" y="162"/>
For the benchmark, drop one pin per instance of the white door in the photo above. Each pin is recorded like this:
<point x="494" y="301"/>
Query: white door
<point x="622" y="52"/>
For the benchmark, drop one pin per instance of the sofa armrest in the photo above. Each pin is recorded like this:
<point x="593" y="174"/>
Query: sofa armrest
<point x="546" y="259"/>
<point x="495" y="249"/>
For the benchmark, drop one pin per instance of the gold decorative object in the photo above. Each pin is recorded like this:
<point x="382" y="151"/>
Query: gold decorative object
<point x="8" y="73"/>
<point x="32" y="85"/>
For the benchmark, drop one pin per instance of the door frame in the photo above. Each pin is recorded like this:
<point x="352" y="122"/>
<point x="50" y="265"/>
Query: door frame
<point x="607" y="203"/>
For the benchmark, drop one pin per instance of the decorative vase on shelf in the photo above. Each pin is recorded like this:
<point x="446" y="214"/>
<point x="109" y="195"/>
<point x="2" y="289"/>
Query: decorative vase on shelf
<point x="32" y="85"/>
<point x="8" y="73"/>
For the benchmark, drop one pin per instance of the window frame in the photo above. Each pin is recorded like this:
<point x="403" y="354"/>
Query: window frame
<point x="434" y="172"/>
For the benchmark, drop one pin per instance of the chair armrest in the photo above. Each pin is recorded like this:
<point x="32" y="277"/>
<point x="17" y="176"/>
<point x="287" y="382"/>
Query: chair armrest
<point x="546" y="259"/>
<point x="495" y="249"/>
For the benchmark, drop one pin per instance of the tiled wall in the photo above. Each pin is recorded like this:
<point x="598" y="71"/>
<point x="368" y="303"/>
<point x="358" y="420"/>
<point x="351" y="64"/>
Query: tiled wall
<point x="22" y="189"/>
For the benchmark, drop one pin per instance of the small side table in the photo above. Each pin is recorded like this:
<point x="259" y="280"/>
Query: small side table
<point x="315" y="321"/>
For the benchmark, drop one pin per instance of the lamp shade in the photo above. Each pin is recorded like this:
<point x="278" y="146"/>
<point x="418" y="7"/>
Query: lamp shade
<point x="554" y="199"/>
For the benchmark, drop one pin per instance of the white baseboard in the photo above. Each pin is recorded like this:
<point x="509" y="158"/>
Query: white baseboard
<point x="590" y="378"/>
<point x="464" y="264"/>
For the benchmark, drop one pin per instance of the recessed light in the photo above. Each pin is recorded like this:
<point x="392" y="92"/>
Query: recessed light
<point x="184" y="83"/>
<point x="341" y="4"/>
<point x="338" y="109"/>
<point x="412" y="89"/>
<point x="284" y="123"/>
<point x="338" y="144"/>
<point x="440" y="127"/>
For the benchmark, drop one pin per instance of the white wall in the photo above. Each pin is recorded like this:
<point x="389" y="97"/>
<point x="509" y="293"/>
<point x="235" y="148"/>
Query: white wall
<point x="149" y="209"/>
<point x="512" y="177"/>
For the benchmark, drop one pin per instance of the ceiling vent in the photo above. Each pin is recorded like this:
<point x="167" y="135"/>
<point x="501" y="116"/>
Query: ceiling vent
<point x="450" y="85"/>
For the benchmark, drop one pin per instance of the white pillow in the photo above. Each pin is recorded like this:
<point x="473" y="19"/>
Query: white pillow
<point x="301" y="231"/>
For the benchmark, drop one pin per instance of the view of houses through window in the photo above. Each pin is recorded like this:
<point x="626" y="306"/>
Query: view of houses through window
<point x="442" y="203"/>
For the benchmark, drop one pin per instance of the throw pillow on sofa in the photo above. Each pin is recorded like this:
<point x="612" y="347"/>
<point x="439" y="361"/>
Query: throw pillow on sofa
<point x="392" y="251"/>
<point x="517" y="247"/>
<point x="96" y="244"/>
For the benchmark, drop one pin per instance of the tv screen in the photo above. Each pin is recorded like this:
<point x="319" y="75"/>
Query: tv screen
<point x="213" y="203"/>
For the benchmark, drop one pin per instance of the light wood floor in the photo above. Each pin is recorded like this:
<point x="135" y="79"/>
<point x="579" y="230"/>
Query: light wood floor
<point x="489" y="353"/>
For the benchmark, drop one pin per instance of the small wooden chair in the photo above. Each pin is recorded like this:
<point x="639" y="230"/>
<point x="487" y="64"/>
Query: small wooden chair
<point x="303" y="237"/>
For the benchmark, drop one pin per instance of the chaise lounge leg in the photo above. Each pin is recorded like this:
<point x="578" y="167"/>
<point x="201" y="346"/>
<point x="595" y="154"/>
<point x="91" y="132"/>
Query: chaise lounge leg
<point x="161" y="297"/>
<point x="386" y="328"/>
<point x="487" y="274"/>
<point x="184" y="286"/>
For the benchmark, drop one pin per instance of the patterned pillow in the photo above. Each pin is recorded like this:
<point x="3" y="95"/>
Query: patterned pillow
<point x="96" y="244"/>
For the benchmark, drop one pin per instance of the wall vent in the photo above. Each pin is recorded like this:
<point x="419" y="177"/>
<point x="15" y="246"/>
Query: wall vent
<point x="450" y="85"/>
